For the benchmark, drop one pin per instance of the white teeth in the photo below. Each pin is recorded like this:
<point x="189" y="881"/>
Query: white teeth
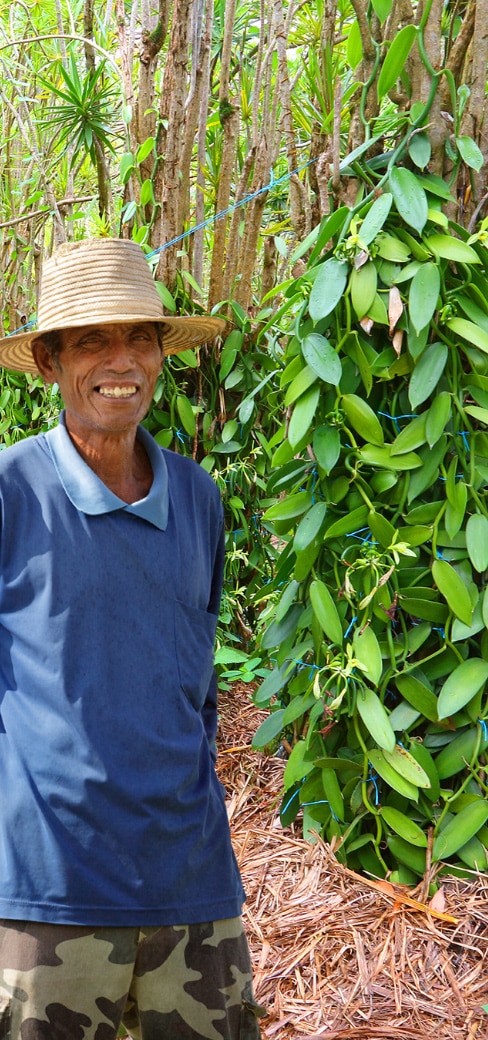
<point x="117" y="391"/>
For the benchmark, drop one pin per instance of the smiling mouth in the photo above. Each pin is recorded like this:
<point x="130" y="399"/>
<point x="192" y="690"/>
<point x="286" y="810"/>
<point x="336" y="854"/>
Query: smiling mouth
<point x="116" y="391"/>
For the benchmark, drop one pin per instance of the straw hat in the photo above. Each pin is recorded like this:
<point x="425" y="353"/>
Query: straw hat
<point x="99" y="281"/>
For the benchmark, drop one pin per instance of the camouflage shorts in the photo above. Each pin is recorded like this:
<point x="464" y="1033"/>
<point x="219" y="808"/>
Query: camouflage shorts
<point x="65" y="982"/>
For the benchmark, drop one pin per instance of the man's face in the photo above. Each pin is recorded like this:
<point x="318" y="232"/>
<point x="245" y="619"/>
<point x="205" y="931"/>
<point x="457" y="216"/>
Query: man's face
<point x="106" y="374"/>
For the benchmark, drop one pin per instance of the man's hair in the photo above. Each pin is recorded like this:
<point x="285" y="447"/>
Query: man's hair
<point x="160" y="335"/>
<point x="52" y="342"/>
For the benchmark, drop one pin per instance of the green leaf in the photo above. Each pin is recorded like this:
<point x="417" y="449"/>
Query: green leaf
<point x="435" y="186"/>
<point x="227" y="447"/>
<point x="305" y="378"/>
<point x="271" y="685"/>
<point x="390" y="248"/>
<point x="322" y="358"/>
<point x="456" y="507"/>
<point x="387" y="772"/>
<point x="424" y="295"/>
<point x="128" y="211"/>
<point x="186" y="414"/>
<point x="147" y="193"/>
<point x="425" y="759"/>
<point x="144" y="149"/>
<point x="406" y="854"/>
<point x="450" y="248"/>
<point x="302" y="415"/>
<point x="437" y="417"/>
<point x="474" y="855"/>
<point x="461" y="686"/>
<point x="460" y="829"/>
<point x="375" y="718"/>
<point x="326" y="446"/>
<point x="297" y="767"/>
<point x="354" y="48"/>
<point x="278" y="631"/>
<point x="420" y="150"/>
<point x="460" y="632"/>
<point x="304" y="246"/>
<point x="328" y="288"/>
<point x="363" y="284"/>
<point x="407" y="766"/>
<point x="427" y="473"/>
<point x="325" y="611"/>
<point x="328" y="229"/>
<point x="477" y="541"/>
<point x="362" y="418"/>
<point x="478" y="413"/>
<point x="418" y="695"/>
<point x="395" y="59"/>
<point x="166" y="297"/>
<point x="359" y="354"/>
<point x="412" y="436"/>
<point x="403" y="826"/>
<point x="297" y="708"/>
<point x="382" y="8"/>
<point x="453" y="757"/>
<point x="410" y="198"/>
<point x="126" y="166"/>
<point x="470" y="332"/>
<point x="367" y="651"/>
<point x="379" y="314"/>
<point x="269" y="729"/>
<point x="226" y="655"/>
<point x="381" y="529"/>
<point x="427" y="373"/>
<point x="309" y="526"/>
<point x="290" y="507"/>
<point x="286" y="599"/>
<point x="374" y="455"/>
<point x="333" y="792"/>
<point x="470" y="153"/>
<point x="403" y="717"/>
<point x="473" y="311"/>
<point x="229" y="430"/>
<point x="453" y="589"/>
<point x="232" y="346"/>
<point x="347" y="524"/>
<point x="375" y="218"/>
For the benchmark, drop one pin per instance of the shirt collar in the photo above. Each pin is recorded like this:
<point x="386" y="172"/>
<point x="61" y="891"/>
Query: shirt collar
<point x="90" y="495"/>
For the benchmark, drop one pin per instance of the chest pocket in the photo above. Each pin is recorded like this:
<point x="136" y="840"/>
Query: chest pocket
<point x="194" y="639"/>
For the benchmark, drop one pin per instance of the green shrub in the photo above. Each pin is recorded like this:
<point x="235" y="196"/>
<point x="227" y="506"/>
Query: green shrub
<point x="378" y="613"/>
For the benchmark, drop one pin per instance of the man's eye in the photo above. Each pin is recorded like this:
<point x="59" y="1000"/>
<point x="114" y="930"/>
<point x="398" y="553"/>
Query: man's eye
<point x="91" y="344"/>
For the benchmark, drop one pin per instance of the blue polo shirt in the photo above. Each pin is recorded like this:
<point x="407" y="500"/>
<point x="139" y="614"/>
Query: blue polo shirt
<point x="111" y="810"/>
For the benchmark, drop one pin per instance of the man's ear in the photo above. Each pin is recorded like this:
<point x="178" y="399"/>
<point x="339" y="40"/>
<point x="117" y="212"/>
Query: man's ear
<point x="44" y="362"/>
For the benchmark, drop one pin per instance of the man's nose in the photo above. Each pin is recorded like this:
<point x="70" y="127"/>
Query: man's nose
<point x="119" y="353"/>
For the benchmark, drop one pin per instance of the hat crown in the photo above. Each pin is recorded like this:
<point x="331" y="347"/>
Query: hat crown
<point x="97" y="280"/>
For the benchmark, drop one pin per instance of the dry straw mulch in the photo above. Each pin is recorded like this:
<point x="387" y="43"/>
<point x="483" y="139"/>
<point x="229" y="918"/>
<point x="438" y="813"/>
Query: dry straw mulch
<point x="333" y="957"/>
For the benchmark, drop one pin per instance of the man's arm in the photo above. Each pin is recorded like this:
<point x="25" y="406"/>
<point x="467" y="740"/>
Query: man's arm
<point x="209" y="709"/>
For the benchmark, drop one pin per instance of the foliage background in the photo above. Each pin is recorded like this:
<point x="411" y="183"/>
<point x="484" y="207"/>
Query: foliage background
<point x="302" y="168"/>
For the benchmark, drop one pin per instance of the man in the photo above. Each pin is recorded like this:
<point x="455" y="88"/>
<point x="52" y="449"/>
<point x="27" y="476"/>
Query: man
<point x="120" y="896"/>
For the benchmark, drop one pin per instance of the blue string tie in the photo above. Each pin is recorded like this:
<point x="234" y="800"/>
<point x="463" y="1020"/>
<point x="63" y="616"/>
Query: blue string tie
<point x="372" y="779"/>
<point x="350" y="626"/>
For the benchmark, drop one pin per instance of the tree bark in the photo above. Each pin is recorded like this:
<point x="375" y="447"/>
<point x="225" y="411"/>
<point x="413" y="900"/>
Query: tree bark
<point x="199" y="236"/>
<point x="167" y="185"/>
<point x="230" y="123"/>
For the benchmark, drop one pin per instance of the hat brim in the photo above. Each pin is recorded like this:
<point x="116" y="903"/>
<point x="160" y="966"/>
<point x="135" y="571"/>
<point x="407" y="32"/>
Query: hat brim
<point x="179" y="334"/>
